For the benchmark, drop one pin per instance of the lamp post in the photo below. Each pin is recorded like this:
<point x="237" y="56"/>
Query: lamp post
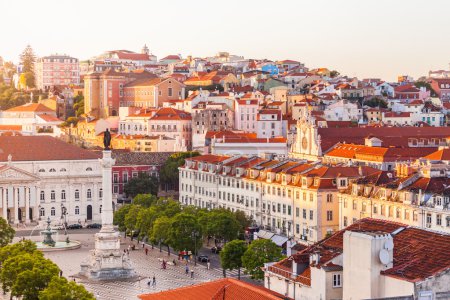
<point x="194" y="236"/>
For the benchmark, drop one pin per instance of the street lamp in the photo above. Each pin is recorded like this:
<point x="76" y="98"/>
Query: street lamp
<point x="194" y="235"/>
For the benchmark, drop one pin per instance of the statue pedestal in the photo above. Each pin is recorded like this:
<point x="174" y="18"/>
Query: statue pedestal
<point x="106" y="261"/>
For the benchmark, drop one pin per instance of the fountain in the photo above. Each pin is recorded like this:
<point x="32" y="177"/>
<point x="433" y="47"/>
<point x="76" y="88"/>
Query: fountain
<point x="49" y="244"/>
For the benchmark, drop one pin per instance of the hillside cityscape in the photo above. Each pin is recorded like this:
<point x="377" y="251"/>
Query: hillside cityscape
<point x="128" y="175"/>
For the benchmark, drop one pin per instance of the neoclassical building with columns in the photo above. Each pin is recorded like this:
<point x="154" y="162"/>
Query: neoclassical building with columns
<point x="41" y="176"/>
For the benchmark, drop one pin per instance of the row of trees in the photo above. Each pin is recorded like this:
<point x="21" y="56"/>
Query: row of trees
<point x="165" y="222"/>
<point x="26" y="274"/>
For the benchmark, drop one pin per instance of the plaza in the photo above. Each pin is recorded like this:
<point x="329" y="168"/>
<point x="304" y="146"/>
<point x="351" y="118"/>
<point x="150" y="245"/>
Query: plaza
<point x="146" y="267"/>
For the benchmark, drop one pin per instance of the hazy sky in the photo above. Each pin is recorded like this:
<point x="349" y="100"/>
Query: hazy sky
<point x="377" y="38"/>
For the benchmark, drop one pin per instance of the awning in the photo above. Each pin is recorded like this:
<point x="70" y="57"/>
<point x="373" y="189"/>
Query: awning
<point x="279" y="240"/>
<point x="263" y="234"/>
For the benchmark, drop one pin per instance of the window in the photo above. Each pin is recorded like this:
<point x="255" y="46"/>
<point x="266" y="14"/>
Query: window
<point x="63" y="195"/>
<point x="304" y="214"/>
<point x="354" y="205"/>
<point x="52" y="195"/>
<point x="439" y="220"/>
<point x="297" y="212"/>
<point x="375" y="209"/>
<point x="63" y="170"/>
<point x="116" y="189"/>
<point x="329" y="198"/>
<point x="345" y="221"/>
<point x="42" y="212"/>
<point x="52" y="212"/>
<point x="77" y="210"/>
<point x="170" y="92"/>
<point x="100" y="209"/>
<point x="77" y="195"/>
<point x="42" y="196"/>
<point x="329" y="215"/>
<point x="311" y="214"/>
<point x="125" y="177"/>
<point x="41" y="170"/>
<point x="52" y="170"/>
<point x="116" y="178"/>
<point x="89" y="169"/>
<point x="89" y="194"/>
<point x="100" y="193"/>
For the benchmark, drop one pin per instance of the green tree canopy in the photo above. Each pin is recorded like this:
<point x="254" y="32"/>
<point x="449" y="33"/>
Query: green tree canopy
<point x="180" y="235"/>
<point x="161" y="231"/>
<point x="169" y="171"/>
<point x="376" y="102"/>
<point x="243" y="219"/>
<point x="142" y="184"/>
<point x="144" y="200"/>
<point x="16" y="249"/>
<point x="260" y="252"/>
<point x="61" y="289"/>
<point x="231" y="255"/>
<point x="119" y="216"/>
<point x="131" y="217"/>
<point x="223" y="225"/>
<point x="27" y="274"/>
<point x="6" y="233"/>
<point x="27" y="59"/>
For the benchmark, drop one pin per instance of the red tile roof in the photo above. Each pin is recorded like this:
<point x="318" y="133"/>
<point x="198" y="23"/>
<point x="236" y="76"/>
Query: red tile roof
<point x="132" y="56"/>
<point x="38" y="148"/>
<point x="10" y="127"/>
<point x="49" y="118"/>
<point x="168" y="113"/>
<point x="221" y="289"/>
<point x="418" y="253"/>
<point x="31" y="107"/>
<point x="443" y="154"/>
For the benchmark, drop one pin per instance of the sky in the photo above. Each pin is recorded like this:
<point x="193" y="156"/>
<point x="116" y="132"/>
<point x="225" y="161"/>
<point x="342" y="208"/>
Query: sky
<point x="378" y="39"/>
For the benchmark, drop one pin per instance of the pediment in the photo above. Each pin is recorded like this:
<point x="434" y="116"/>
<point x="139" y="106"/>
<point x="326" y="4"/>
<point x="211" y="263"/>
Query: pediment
<point x="9" y="174"/>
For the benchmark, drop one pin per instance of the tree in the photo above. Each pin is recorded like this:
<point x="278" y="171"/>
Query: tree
<point x="180" y="234"/>
<point x="130" y="221"/>
<point x="168" y="174"/>
<point x="142" y="184"/>
<point x="376" y="102"/>
<point x="6" y="233"/>
<point x="334" y="73"/>
<point x="19" y="248"/>
<point x="161" y="231"/>
<point x="26" y="274"/>
<point x="61" y="289"/>
<point x="145" y="220"/>
<point x="119" y="217"/>
<point x="144" y="200"/>
<point x="223" y="225"/>
<point x="260" y="252"/>
<point x="231" y="255"/>
<point x="243" y="219"/>
<point x="27" y="59"/>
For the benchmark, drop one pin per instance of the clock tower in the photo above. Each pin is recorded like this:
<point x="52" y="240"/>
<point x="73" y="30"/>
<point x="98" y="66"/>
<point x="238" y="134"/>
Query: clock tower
<point x="307" y="140"/>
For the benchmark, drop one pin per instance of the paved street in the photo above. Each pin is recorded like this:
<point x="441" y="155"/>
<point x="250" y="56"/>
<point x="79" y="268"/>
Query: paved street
<point x="145" y="265"/>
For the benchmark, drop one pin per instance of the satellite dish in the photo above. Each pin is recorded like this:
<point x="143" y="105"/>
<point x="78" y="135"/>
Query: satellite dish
<point x="384" y="256"/>
<point x="389" y="245"/>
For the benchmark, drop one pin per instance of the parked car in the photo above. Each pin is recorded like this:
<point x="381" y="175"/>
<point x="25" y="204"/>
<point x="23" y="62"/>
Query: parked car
<point x="74" y="226"/>
<point x="216" y="249"/>
<point x="203" y="258"/>
<point x="94" y="225"/>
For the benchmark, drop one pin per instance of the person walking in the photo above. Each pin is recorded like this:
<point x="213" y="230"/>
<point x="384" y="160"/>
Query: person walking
<point x="208" y="265"/>
<point x="146" y="251"/>
<point x="154" y="282"/>
<point x="187" y="270"/>
<point x="192" y="273"/>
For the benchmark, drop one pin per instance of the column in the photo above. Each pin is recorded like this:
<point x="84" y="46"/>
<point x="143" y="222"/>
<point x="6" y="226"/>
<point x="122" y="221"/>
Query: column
<point x="27" y="204"/>
<point x="12" y="198"/>
<point x="5" y="204"/>
<point x="33" y="203"/>
<point x="107" y="214"/>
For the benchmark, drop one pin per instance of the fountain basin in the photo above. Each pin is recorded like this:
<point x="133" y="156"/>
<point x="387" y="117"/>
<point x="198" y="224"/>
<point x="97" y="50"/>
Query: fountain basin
<point x="59" y="246"/>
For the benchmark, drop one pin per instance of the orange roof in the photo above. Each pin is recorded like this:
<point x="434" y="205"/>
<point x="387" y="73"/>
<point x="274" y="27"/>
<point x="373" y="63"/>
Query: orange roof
<point x="10" y="127"/>
<point x="168" y="113"/>
<point x="224" y="289"/>
<point x="443" y="154"/>
<point x="31" y="107"/>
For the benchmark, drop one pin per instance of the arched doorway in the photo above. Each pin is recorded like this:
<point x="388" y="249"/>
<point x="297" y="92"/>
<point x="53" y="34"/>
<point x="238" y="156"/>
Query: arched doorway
<point x="89" y="212"/>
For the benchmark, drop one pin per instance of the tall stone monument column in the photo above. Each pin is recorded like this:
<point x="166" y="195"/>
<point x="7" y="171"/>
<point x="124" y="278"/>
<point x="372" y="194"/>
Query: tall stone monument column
<point x="106" y="261"/>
